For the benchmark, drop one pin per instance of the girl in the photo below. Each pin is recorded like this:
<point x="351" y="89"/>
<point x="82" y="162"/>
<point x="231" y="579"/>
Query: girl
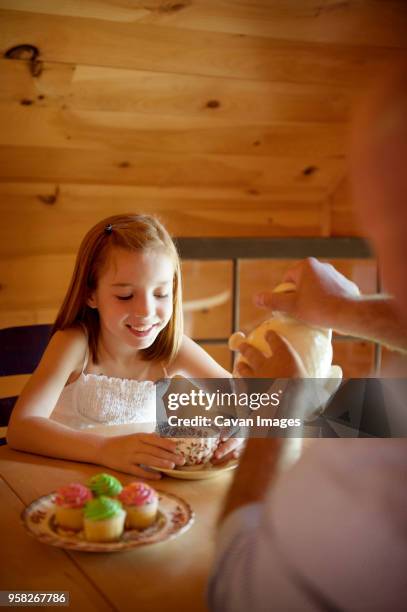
<point x="119" y="329"/>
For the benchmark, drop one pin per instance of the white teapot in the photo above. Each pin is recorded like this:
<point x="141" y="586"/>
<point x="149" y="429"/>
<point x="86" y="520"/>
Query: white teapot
<point x="313" y="345"/>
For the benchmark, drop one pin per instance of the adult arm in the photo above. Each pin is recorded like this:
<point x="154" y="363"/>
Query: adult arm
<point x="250" y="572"/>
<point x="326" y="298"/>
<point x="262" y="455"/>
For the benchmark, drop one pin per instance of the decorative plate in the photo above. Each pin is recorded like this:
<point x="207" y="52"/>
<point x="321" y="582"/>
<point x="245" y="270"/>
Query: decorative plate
<point x="174" y="517"/>
<point x="209" y="471"/>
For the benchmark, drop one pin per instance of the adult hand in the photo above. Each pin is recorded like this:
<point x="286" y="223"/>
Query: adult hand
<point x="320" y="292"/>
<point x="128" y="453"/>
<point x="283" y="363"/>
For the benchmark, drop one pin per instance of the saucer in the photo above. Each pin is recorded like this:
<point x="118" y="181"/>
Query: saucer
<point x="209" y="471"/>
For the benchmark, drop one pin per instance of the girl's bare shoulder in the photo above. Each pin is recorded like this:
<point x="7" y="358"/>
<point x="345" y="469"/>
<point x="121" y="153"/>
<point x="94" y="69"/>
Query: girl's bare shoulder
<point x="68" y="345"/>
<point x="74" y="336"/>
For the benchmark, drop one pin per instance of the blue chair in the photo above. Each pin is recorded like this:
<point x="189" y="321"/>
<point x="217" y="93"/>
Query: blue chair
<point x="21" y="349"/>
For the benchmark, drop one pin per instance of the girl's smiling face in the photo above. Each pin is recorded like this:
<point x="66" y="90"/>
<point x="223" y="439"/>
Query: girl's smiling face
<point x="134" y="296"/>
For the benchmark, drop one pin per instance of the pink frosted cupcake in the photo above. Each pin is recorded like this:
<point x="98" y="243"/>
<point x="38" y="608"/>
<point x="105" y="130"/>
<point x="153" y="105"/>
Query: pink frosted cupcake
<point x="69" y="503"/>
<point x="141" y="503"/>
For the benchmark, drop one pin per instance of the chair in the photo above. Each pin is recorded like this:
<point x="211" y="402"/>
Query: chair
<point x="21" y="349"/>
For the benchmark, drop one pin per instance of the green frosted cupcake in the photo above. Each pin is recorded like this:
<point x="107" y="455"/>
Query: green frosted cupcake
<point x="105" y="484"/>
<point x="103" y="519"/>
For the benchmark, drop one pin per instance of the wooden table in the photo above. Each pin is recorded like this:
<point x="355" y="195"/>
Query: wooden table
<point x="171" y="575"/>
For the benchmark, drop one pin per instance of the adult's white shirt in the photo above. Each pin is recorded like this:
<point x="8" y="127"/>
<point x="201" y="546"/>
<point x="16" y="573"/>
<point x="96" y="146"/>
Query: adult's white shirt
<point x="331" y="534"/>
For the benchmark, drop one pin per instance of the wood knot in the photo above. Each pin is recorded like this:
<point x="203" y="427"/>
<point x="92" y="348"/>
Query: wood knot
<point x="170" y="7"/>
<point x="124" y="164"/>
<point x="26" y="102"/>
<point x="22" y="52"/>
<point x="310" y="170"/>
<point x="36" y="68"/>
<point x="213" y="104"/>
<point x="50" y="199"/>
<point x="28" y="53"/>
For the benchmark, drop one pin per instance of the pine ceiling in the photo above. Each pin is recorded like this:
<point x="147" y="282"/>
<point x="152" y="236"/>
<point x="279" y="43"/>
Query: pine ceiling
<point x="225" y="117"/>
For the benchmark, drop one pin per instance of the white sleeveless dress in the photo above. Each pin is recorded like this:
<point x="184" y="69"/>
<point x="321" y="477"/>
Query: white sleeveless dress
<point x="95" y="399"/>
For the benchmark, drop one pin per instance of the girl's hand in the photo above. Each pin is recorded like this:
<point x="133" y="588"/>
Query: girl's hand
<point x="129" y="453"/>
<point x="284" y="362"/>
<point x="230" y="448"/>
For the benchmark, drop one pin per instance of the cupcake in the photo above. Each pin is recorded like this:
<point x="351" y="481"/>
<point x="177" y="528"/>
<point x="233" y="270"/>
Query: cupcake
<point x="103" y="519"/>
<point x="105" y="484"/>
<point x="69" y="503"/>
<point x="141" y="503"/>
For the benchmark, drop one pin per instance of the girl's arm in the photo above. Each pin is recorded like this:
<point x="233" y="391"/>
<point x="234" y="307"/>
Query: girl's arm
<point x="32" y="430"/>
<point x="30" y="427"/>
<point x="193" y="361"/>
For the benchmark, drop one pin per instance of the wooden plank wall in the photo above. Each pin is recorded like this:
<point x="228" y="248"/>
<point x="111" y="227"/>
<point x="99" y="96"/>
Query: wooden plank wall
<point x="223" y="117"/>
